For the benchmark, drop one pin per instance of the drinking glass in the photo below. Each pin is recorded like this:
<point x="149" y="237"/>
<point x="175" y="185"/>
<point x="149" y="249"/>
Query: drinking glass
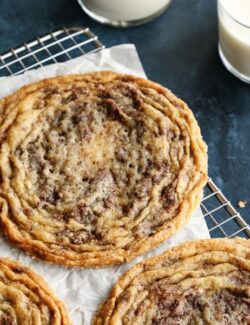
<point x="124" y="13"/>
<point x="234" y="36"/>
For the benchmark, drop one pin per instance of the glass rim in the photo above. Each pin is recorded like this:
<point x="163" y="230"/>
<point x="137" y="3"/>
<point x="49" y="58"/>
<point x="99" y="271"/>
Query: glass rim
<point x="232" y="17"/>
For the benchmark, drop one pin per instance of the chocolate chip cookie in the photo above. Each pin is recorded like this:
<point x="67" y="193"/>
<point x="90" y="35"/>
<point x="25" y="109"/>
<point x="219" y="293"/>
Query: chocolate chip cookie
<point x="97" y="168"/>
<point x="26" y="299"/>
<point x="199" y="282"/>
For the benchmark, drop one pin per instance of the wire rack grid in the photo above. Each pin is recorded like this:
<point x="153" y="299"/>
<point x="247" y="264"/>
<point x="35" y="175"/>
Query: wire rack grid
<point x="222" y="218"/>
<point x="59" y="46"/>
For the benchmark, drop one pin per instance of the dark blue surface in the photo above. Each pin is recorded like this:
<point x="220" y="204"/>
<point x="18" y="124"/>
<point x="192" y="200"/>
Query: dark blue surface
<point x="179" y="50"/>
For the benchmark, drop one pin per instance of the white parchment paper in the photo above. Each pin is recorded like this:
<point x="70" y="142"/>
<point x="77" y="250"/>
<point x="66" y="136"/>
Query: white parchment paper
<point x="83" y="289"/>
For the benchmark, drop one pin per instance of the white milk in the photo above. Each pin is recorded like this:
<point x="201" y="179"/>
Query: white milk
<point x="234" y="36"/>
<point x="126" y="10"/>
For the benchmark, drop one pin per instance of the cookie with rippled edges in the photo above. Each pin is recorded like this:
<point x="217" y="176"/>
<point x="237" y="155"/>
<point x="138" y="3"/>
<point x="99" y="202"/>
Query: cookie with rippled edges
<point x="98" y="168"/>
<point x="199" y="282"/>
<point x="26" y="299"/>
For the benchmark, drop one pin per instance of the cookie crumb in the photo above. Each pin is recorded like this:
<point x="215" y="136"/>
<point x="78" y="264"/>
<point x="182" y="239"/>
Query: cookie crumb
<point x="242" y="204"/>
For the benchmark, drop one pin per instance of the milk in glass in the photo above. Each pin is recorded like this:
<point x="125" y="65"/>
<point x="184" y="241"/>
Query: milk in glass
<point x="124" y="10"/>
<point x="234" y="33"/>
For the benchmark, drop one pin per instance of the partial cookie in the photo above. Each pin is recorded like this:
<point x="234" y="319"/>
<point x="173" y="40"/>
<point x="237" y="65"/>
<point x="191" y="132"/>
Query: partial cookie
<point x="199" y="282"/>
<point x="26" y="299"/>
<point x="97" y="168"/>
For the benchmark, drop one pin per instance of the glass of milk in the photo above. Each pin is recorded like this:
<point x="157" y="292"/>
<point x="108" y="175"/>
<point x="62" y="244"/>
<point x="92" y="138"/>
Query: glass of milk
<point x="123" y="13"/>
<point x="234" y="36"/>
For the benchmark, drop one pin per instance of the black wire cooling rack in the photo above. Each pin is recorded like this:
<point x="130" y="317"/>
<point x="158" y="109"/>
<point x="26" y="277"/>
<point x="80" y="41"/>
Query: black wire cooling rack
<point x="222" y="218"/>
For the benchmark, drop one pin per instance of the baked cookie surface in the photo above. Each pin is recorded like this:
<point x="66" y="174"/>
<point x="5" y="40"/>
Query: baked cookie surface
<point x="199" y="282"/>
<point x="97" y="168"/>
<point x="25" y="298"/>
